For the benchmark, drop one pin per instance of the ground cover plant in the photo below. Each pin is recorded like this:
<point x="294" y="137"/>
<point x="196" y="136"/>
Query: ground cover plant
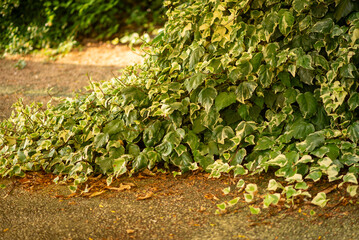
<point x="243" y="87"/>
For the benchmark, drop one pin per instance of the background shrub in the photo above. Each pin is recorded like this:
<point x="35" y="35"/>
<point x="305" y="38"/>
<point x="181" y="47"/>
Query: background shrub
<point x="34" y="24"/>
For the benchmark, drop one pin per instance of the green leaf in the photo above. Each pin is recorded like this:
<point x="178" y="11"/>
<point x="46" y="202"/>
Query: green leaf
<point x="300" y="129"/>
<point x="300" y="5"/>
<point x="353" y="131"/>
<point x="350" y="177"/>
<point x="323" y="26"/>
<point x="305" y="61"/>
<point x="286" y="22"/>
<point x="353" y="101"/>
<point x="320" y="199"/>
<point x="245" y="90"/>
<point x="221" y="133"/>
<point x="264" y="143"/>
<point x="119" y="165"/>
<point x="271" y="199"/>
<point x="269" y="23"/>
<point x="352" y="190"/>
<point x="195" y="57"/>
<point x="265" y="75"/>
<point x="307" y="104"/>
<point x="193" y="82"/>
<point x="140" y="162"/>
<point x="224" y="99"/>
<point x="101" y="139"/>
<point x="206" y="97"/>
<point x="245" y="128"/>
<point x="114" y="127"/>
<point x="311" y="142"/>
<point x="254" y="210"/>
<point x="238" y="157"/>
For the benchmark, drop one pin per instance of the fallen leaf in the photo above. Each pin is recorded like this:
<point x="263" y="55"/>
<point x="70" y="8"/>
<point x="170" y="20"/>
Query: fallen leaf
<point x="5" y="230"/>
<point x="146" y="196"/>
<point x="129" y="231"/>
<point x="100" y="206"/>
<point x="147" y="172"/>
<point x="210" y="196"/>
<point x="122" y="187"/>
<point x="97" y="193"/>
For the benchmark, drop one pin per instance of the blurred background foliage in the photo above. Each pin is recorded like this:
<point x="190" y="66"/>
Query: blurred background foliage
<point x="27" y="25"/>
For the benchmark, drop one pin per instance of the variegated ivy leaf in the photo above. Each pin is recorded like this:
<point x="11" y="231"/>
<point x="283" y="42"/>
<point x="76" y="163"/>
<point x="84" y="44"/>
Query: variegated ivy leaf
<point x="307" y="104"/>
<point x="193" y="82"/>
<point x="254" y="210"/>
<point x="353" y="131"/>
<point x="271" y="199"/>
<point x="226" y="190"/>
<point x="224" y="99"/>
<point x="311" y="142"/>
<point x="273" y="185"/>
<point x="314" y="175"/>
<point x="248" y="197"/>
<point x="320" y="199"/>
<point x="323" y="26"/>
<point x="286" y="22"/>
<point x="301" y="185"/>
<point x="206" y="97"/>
<point x="352" y="190"/>
<point x="245" y="90"/>
<point x="351" y="178"/>
<point x="222" y="133"/>
<point x="240" y="184"/>
<point x="251" y="188"/>
<point x="300" y="5"/>
<point x="233" y="202"/>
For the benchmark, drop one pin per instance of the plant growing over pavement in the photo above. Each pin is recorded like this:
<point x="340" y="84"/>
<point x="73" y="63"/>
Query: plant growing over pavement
<point x="228" y="86"/>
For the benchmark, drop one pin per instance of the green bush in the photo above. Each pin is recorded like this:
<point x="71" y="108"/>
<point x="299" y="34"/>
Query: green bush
<point x="242" y="86"/>
<point x="35" y="24"/>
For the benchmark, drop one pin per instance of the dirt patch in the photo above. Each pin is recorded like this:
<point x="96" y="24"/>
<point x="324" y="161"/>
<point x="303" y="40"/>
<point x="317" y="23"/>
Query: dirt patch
<point x="141" y="207"/>
<point x="159" y="207"/>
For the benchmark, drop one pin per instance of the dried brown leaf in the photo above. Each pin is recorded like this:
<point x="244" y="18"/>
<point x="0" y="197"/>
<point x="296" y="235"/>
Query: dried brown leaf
<point x="146" y="196"/>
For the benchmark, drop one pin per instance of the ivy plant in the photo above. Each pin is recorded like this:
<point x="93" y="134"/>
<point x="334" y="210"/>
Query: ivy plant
<point x="227" y="86"/>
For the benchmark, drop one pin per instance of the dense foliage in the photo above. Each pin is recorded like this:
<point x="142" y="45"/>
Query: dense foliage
<point x="242" y="86"/>
<point x="34" y="24"/>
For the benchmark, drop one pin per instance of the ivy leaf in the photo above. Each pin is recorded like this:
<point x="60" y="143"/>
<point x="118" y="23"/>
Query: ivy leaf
<point x="245" y="90"/>
<point x="114" y="126"/>
<point x="206" y="97"/>
<point x="140" y="162"/>
<point x="344" y="8"/>
<point x="323" y="26"/>
<point x="307" y="104"/>
<point x="269" y="23"/>
<point x="286" y="22"/>
<point x="353" y="131"/>
<point x="195" y="56"/>
<point x="193" y="82"/>
<point x="353" y="101"/>
<point x="300" y="129"/>
<point x="305" y="61"/>
<point x="221" y="133"/>
<point x="311" y="142"/>
<point x="264" y="143"/>
<point x="101" y="139"/>
<point x="265" y="75"/>
<point x="224" y="99"/>
<point x="320" y="199"/>
<point x="237" y="159"/>
<point x="300" y="5"/>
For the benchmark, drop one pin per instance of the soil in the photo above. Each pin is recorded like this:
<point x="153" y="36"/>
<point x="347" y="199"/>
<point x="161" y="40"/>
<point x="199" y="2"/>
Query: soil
<point x="150" y="205"/>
